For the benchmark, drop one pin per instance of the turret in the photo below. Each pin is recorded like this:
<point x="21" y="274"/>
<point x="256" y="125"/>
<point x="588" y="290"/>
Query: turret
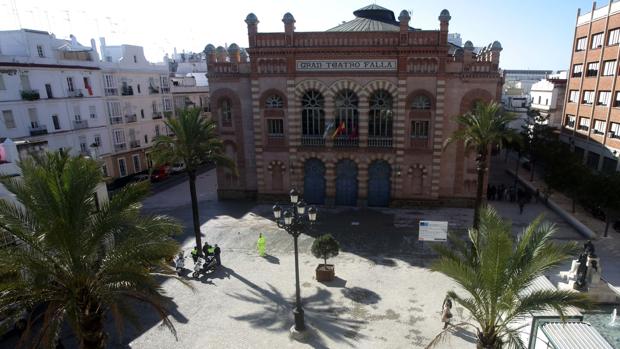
<point x="289" y="27"/>
<point x="444" y="21"/>
<point x="496" y="48"/>
<point x="221" y="54"/>
<point x="468" y="55"/>
<point x="234" y="53"/>
<point x="210" y="53"/>
<point x="252" y="21"/>
<point x="404" y="19"/>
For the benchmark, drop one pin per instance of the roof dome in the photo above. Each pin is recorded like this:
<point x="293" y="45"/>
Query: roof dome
<point x="376" y="13"/>
<point x="496" y="45"/>
<point x="288" y="18"/>
<point x="209" y="49"/>
<point x="404" y="14"/>
<point x="233" y="47"/>
<point x="251" y="18"/>
<point x="468" y="45"/>
<point x="220" y="49"/>
<point x="444" y="15"/>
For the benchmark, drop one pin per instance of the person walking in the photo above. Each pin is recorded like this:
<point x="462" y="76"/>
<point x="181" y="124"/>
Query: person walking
<point x="446" y="312"/>
<point x="216" y="252"/>
<point x="260" y="245"/>
<point x="194" y="253"/>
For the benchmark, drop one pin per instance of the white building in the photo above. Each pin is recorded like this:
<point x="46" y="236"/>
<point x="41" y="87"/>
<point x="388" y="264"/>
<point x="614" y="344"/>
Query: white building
<point x="547" y="97"/>
<point x="517" y="86"/>
<point x="189" y="84"/>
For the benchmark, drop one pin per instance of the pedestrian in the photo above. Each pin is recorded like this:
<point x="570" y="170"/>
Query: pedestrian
<point x="216" y="252"/>
<point x="206" y="249"/>
<point x="194" y="253"/>
<point x="260" y="245"/>
<point x="537" y="195"/>
<point x="446" y="312"/>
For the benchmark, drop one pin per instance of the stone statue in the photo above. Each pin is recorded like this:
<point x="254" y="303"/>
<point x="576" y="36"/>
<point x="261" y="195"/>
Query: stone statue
<point x="580" y="282"/>
<point x="588" y="249"/>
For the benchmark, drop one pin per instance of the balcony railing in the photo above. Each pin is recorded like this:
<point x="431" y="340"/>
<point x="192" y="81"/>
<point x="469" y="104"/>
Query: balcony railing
<point x="131" y="118"/>
<point x="153" y="90"/>
<point x="30" y="95"/>
<point x="80" y="124"/>
<point x="120" y="146"/>
<point x="165" y="90"/>
<point x="111" y="91"/>
<point x="127" y="91"/>
<point x="157" y="115"/>
<point x="312" y="141"/>
<point x="345" y="142"/>
<point x="115" y="120"/>
<point x="379" y="142"/>
<point x="612" y="134"/>
<point x="38" y="130"/>
<point x="134" y="144"/>
<point x="75" y="93"/>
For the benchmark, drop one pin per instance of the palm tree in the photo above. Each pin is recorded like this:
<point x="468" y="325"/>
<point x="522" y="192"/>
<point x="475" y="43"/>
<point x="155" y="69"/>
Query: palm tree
<point x="195" y="142"/>
<point x="479" y="129"/>
<point x="497" y="270"/>
<point x="78" y="260"/>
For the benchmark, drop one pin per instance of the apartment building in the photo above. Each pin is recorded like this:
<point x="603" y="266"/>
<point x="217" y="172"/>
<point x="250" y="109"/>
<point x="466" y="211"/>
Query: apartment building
<point x="547" y="97"/>
<point x="189" y="84"/>
<point x="591" y="123"/>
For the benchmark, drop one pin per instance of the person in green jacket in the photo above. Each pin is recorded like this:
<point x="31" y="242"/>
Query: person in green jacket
<point x="260" y="245"/>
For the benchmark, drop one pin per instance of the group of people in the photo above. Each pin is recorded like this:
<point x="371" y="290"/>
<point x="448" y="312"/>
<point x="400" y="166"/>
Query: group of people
<point x="510" y="193"/>
<point x="207" y="250"/>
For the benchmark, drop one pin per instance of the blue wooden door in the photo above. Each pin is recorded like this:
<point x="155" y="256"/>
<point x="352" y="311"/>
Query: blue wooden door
<point x="346" y="183"/>
<point x="314" y="182"/>
<point x="379" y="173"/>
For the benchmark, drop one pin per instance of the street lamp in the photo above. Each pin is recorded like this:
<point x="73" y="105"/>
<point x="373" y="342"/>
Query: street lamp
<point x="295" y="220"/>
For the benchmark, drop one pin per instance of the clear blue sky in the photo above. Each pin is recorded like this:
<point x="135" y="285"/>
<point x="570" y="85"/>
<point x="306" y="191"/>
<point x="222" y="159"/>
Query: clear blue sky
<point x="535" y="34"/>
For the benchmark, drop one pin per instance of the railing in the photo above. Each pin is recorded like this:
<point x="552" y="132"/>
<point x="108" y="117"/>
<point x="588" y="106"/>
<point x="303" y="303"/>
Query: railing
<point x="75" y="93"/>
<point x="111" y="91"/>
<point x="127" y="91"/>
<point x="165" y="89"/>
<point x="120" y="147"/>
<point x="80" y="124"/>
<point x="38" y="130"/>
<point x="345" y="142"/>
<point x="134" y="144"/>
<point x="157" y="115"/>
<point x="153" y="90"/>
<point x="131" y="118"/>
<point x="379" y="142"/>
<point x="611" y="134"/>
<point x="312" y="141"/>
<point x="115" y="120"/>
<point x="30" y="95"/>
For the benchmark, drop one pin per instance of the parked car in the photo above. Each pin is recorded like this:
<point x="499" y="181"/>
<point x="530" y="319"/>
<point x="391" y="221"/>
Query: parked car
<point x="177" y="168"/>
<point x="160" y="174"/>
<point x="141" y="177"/>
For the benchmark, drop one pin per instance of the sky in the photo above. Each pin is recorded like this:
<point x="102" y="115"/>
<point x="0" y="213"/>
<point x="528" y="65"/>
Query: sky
<point x="535" y="34"/>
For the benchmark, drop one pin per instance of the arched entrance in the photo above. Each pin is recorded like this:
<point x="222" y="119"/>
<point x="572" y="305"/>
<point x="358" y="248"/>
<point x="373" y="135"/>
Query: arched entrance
<point x="314" y="182"/>
<point x="379" y="173"/>
<point x="346" y="183"/>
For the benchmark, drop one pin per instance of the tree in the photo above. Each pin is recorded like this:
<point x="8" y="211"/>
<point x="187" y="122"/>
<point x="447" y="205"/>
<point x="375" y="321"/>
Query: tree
<point x="194" y="143"/>
<point x="79" y="261"/>
<point x="495" y="272"/>
<point x="565" y="173"/>
<point x="603" y="192"/>
<point x="479" y="129"/>
<point x="536" y="135"/>
<point x="325" y="246"/>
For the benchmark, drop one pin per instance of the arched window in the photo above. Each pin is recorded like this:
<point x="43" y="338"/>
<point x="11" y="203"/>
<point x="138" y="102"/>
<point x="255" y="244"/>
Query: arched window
<point x="346" y="122"/>
<point x="274" y="102"/>
<point x="312" y="115"/>
<point x="421" y="102"/>
<point x="226" y="112"/>
<point x="380" y="120"/>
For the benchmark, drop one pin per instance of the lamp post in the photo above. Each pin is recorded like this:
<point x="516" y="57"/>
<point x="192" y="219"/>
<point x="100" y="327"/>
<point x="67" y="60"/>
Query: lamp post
<point x="295" y="220"/>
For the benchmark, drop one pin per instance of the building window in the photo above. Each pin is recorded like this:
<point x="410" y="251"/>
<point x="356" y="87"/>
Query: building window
<point x="577" y="70"/>
<point x="613" y="38"/>
<point x="104" y="170"/>
<point x="136" y="163"/>
<point x="603" y="98"/>
<point x="581" y="44"/>
<point x="83" y="145"/>
<point x="146" y="139"/>
<point x="109" y="85"/>
<point x="419" y="128"/>
<point x="573" y="97"/>
<point x="617" y="99"/>
<point x="584" y="124"/>
<point x="381" y="114"/>
<point x="114" y="109"/>
<point x="312" y="114"/>
<point x="157" y="132"/>
<point x="55" y="122"/>
<point x="70" y="86"/>
<point x="599" y="127"/>
<point x="226" y="112"/>
<point x="539" y="99"/>
<point x="597" y="40"/>
<point x="97" y="141"/>
<point x="92" y="111"/>
<point x="274" y="102"/>
<point x="614" y="130"/>
<point x="122" y="167"/>
<point x="135" y="59"/>
<point x="76" y="113"/>
<point x="119" y="136"/>
<point x="9" y="120"/>
<point x="346" y="114"/>
<point x="592" y="69"/>
<point x="167" y="102"/>
<point x="609" y="68"/>
<point x="570" y="121"/>
<point x="40" y="51"/>
<point x="588" y="97"/>
<point x="275" y="127"/>
<point x="2" y="85"/>
<point x="421" y="102"/>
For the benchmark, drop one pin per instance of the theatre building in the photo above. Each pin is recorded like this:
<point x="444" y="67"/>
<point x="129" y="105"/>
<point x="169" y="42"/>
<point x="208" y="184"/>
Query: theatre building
<point x="355" y="115"/>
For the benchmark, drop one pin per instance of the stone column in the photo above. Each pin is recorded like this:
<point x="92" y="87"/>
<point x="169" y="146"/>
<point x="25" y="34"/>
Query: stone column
<point x="438" y="138"/>
<point x="400" y="138"/>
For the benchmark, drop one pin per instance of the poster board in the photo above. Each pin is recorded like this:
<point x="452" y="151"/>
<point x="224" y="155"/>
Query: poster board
<point x="433" y="231"/>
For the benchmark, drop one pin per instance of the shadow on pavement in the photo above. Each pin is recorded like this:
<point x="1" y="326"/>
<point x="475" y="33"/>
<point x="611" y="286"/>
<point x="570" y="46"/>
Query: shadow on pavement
<point x="361" y="295"/>
<point x="337" y="282"/>
<point x="272" y="259"/>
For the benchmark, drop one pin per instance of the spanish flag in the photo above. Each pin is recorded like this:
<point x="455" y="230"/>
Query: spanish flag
<point x="341" y="128"/>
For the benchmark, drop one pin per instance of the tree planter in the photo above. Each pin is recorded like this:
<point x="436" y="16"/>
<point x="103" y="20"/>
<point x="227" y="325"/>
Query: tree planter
<point x="325" y="272"/>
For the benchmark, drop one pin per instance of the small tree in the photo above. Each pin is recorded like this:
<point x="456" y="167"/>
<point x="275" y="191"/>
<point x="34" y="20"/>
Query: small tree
<point x="325" y="246"/>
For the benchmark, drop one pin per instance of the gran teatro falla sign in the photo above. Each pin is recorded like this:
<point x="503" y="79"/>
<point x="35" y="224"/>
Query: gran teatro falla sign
<point x="327" y="65"/>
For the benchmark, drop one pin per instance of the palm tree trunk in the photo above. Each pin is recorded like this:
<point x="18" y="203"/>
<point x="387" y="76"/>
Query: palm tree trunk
<point x="482" y="167"/>
<point x="195" y="217"/>
<point x="91" y="330"/>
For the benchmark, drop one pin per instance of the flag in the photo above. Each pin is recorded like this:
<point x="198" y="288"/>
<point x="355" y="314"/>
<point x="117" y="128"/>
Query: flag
<point x="341" y="128"/>
<point x="328" y="129"/>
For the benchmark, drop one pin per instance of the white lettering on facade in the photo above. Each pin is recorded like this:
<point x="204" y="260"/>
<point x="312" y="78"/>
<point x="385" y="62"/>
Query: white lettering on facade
<point x="346" y="65"/>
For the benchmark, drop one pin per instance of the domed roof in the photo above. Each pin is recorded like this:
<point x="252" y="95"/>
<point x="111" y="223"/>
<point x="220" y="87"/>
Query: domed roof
<point x="444" y="15"/>
<point x="233" y="47"/>
<point x="468" y="45"/>
<point x="220" y="49"/>
<point x="404" y="14"/>
<point x="251" y="18"/>
<point x="496" y="45"/>
<point x="288" y="18"/>
<point x="377" y="13"/>
<point x="209" y="49"/>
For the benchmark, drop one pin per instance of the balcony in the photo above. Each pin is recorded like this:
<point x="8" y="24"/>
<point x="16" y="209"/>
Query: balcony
<point x="153" y="90"/>
<point x="157" y="115"/>
<point x="76" y="93"/>
<point x="134" y="144"/>
<point x="131" y="118"/>
<point x="312" y="141"/>
<point x="115" y="120"/>
<point x="30" y="95"/>
<point x="127" y="91"/>
<point x="379" y="142"/>
<point x="120" y="147"/>
<point x="346" y="141"/>
<point x="165" y="89"/>
<point x="38" y="130"/>
<point x="80" y="124"/>
<point x="110" y="91"/>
